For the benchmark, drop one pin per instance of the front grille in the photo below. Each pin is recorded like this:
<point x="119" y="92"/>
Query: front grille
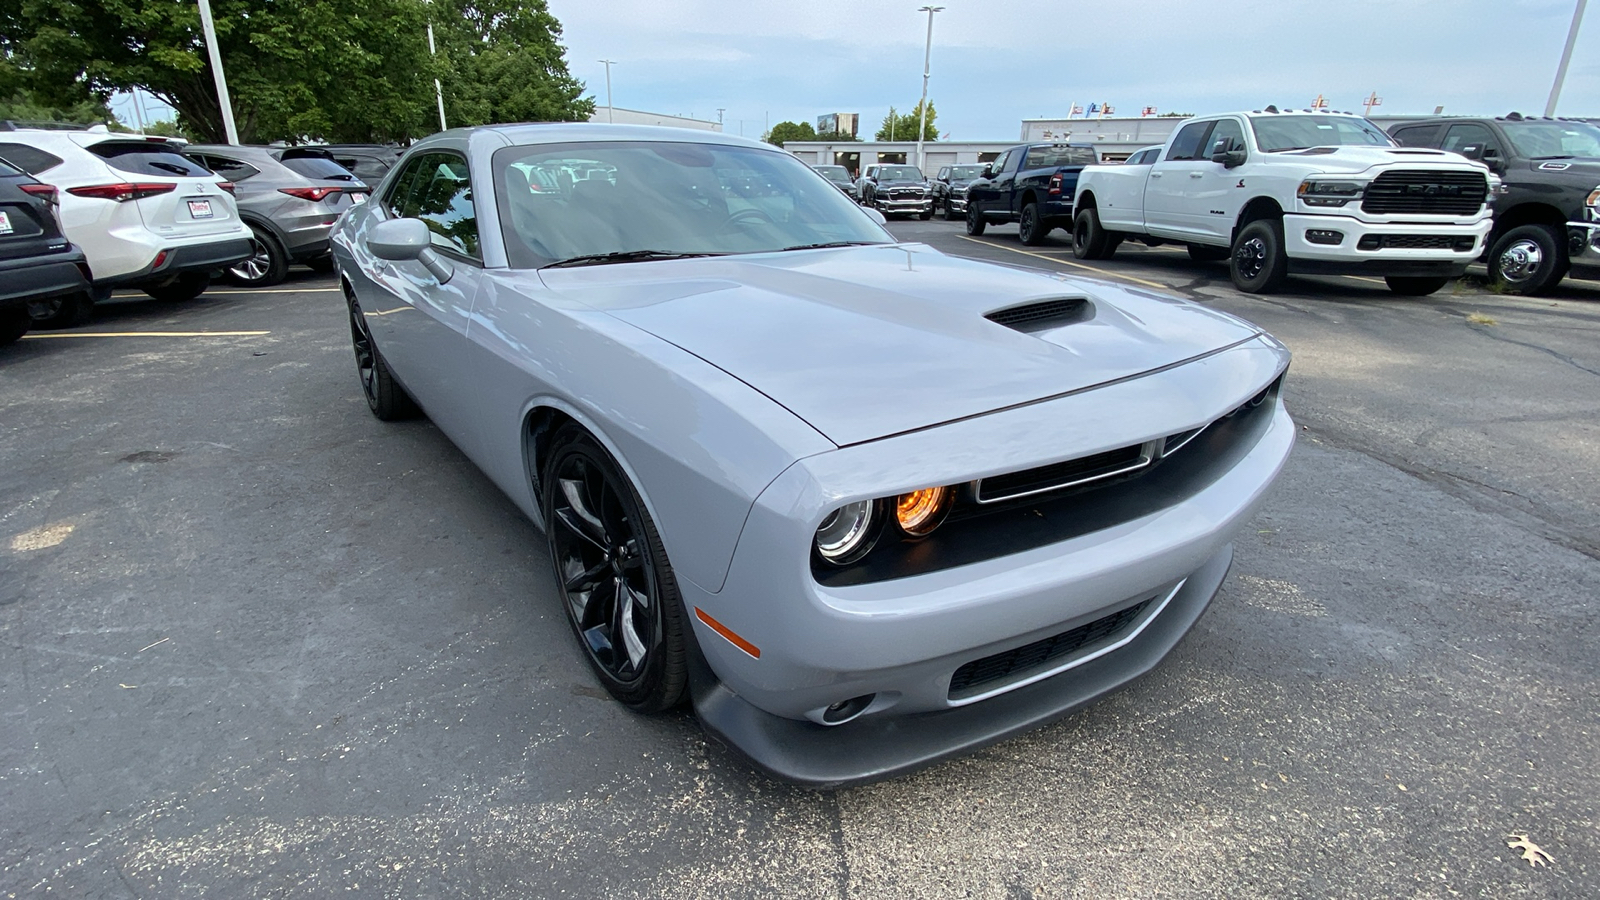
<point x="1062" y="474"/>
<point x="906" y="195"/>
<point x="1013" y="664"/>
<point x="1042" y="315"/>
<point x="1426" y="193"/>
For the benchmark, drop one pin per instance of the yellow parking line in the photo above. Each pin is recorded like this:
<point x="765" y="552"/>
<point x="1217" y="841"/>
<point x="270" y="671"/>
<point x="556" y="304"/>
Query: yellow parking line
<point x="332" y="290"/>
<point x="1064" y="262"/>
<point x="168" y="334"/>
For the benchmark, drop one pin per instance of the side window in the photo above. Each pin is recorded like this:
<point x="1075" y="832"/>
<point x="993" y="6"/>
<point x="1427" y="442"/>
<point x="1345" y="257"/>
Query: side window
<point x="442" y="197"/>
<point x="1462" y="137"/>
<point x="1036" y="157"/>
<point x="1189" y="141"/>
<point x="944" y="174"/>
<point x="1004" y="160"/>
<point x="231" y="169"/>
<point x="1418" y="136"/>
<point x="395" y="200"/>
<point x="29" y="159"/>
<point x="1227" y="130"/>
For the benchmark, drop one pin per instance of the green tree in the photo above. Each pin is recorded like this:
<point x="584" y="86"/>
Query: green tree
<point x="791" y="131"/>
<point x="898" y="127"/>
<point x="352" y="70"/>
<point x="836" y="136"/>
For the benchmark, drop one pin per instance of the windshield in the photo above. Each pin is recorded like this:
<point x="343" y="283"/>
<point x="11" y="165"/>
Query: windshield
<point x="617" y="197"/>
<point x="965" y="173"/>
<point x="835" y="173"/>
<point x="899" y="173"/>
<point x="1543" y="140"/>
<point x="1275" y="133"/>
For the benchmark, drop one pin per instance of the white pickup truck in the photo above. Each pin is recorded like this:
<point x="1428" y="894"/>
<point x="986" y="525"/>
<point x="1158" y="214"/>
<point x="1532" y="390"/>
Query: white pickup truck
<point x="1276" y="193"/>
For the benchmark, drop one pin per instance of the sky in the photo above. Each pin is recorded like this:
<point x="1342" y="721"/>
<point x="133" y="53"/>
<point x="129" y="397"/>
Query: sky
<point x="997" y="62"/>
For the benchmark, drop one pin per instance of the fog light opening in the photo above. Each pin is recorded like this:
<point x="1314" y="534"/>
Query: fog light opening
<point x="1370" y="242"/>
<point x="1324" y="236"/>
<point x="845" y="710"/>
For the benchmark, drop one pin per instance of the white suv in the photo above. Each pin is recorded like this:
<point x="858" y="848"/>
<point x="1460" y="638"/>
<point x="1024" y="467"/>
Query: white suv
<point x="145" y="216"/>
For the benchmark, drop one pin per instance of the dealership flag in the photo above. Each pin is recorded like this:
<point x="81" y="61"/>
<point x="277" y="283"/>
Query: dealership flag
<point x="1148" y="111"/>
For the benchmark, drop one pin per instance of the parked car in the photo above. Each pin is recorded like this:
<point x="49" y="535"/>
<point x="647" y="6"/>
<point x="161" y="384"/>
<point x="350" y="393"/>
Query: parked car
<point x="950" y="188"/>
<point x="1276" y="193"/>
<point x="368" y="162"/>
<point x="1548" y="219"/>
<point x="895" y="190"/>
<point x="290" y="198"/>
<point x="1143" y="157"/>
<point x="144" y="215"/>
<point x="840" y="176"/>
<point x="865" y="504"/>
<point x="1030" y="184"/>
<point x="37" y="263"/>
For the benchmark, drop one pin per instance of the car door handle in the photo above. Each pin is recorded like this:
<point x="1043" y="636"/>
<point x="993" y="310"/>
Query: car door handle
<point x="1197" y="174"/>
<point x="1155" y="174"/>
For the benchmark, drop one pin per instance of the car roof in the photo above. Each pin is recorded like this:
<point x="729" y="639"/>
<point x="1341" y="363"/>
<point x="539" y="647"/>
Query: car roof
<point x="576" y="132"/>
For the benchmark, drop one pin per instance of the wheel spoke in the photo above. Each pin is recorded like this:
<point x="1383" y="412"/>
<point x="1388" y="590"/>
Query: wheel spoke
<point x="577" y="517"/>
<point x="628" y="628"/>
<point x="599" y="605"/>
<point x="586" y="578"/>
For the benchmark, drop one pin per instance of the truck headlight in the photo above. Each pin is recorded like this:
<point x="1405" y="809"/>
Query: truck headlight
<point x="1315" y="192"/>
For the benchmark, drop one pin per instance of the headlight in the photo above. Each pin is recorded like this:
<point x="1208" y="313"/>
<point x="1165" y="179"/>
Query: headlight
<point x="847" y="533"/>
<point x="1594" y="199"/>
<point x="1315" y="192"/>
<point x="920" y="512"/>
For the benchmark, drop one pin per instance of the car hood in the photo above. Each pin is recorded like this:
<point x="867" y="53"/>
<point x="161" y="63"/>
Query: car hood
<point x="1353" y="160"/>
<point x="885" y="182"/>
<point x="866" y="342"/>
<point x="1582" y="168"/>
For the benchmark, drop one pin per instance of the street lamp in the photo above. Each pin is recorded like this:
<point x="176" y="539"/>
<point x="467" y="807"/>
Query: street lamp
<point x="1566" y="57"/>
<point x="438" y="89"/>
<point x="210" y="29"/>
<point x="927" y="54"/>
<point x="610" y="119"/>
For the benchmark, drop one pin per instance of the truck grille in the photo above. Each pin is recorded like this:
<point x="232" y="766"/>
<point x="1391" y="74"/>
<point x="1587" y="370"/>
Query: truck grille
<point x="1416" y="242"/>
<point x="1426" y="193"/>
<point x="974" y="676"/>
<point x="903" y="194"/>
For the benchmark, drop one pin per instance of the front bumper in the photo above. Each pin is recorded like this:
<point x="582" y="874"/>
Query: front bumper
<point x="1346" y="256"/>
<point x="903" y="639"/>
<point x="918" y="205"/>
<point x="1583" y="244"/>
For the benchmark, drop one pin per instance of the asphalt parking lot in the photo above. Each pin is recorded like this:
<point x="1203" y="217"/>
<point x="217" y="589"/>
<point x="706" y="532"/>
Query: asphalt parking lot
<point x="257" y="643"/>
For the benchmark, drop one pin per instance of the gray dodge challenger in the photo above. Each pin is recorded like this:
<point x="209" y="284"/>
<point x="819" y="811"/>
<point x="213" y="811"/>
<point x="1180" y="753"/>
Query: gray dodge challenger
<point x="865" y="505"/>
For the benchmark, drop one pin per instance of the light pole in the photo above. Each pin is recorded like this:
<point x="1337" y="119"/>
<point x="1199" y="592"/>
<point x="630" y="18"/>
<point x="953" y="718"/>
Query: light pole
<point x="438" y="89"/>
<point x="610" y="119"/>
<point x="210" y="29"/>
<point x="927" y="54"/>
<point x="1566" y="57"/>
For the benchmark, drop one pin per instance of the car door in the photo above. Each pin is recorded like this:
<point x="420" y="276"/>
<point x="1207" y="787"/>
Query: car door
<point x="423" y="332"/>
<point x="985" y="195"/>
<point x="1119" y="191"/>
<point x="1212" y="191"/>
<point x="1168" y="208"/>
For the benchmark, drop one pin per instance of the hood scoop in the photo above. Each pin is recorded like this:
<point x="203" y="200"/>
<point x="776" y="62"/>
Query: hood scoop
<point x="1043" y="315"/>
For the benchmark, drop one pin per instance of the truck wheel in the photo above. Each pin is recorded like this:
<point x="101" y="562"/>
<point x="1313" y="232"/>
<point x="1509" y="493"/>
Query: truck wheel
<point x="1031" y="230"/>
<point x="949" y="212"/>
<point x="1415" y="285"/>
<point x="1259" y="265"/>
<point x="1089" y="240"/>
<point x="975" y="221"/>
<point x="1203" y="253"/>
<point x="1528" y="260"/>
<point x="926" y="214"/>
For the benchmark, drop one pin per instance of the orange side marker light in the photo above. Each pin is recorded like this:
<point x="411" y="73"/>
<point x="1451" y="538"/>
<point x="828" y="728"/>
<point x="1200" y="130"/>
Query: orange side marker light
<point x="725" y="631"/>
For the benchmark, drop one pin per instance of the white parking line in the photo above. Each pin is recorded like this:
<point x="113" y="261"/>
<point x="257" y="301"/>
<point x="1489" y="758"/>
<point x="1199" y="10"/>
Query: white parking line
<point x="332" y="290"/>
<point x="166" y="334"/>
<point x="1077" y="265"/>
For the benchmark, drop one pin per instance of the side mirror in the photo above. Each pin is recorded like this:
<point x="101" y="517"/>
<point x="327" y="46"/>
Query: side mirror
<point x="875" y="215"/>
<point x="399" y="240"/>
<point x="988" y="170"/>
<point x="1228" y="158"/>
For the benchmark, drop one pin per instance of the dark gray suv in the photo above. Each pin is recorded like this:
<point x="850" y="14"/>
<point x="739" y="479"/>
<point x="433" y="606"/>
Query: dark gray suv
<point x="290" y="197"/>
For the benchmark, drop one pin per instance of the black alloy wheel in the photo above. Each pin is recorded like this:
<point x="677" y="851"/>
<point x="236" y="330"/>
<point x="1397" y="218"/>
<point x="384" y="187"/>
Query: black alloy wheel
<point x="1031" y="229"/>
<point x="613" y="576"/>
<point x="66" y="311"/>
<point x="266" y="265"/>
<point x="949" y="210"/>
<point x="1259" y="264"/>
<point x="975" y="221"/>
<point x="385" y="397"/>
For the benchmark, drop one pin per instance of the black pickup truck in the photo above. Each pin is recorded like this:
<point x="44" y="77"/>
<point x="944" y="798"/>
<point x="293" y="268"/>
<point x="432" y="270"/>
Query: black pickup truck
<point x="1547" y="218"/>
<point x="1032" y="185"/>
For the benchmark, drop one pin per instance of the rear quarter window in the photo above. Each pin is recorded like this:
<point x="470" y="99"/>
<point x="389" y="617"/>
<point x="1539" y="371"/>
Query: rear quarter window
<point x="147" y="158"/>
<point x="319" y="168"/>
<point x="29" y="159"/>
<point x="1418" y="136"/>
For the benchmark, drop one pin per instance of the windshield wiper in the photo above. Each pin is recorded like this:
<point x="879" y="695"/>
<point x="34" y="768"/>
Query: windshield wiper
<point x="600" y="259"/>
<point x="174" y="169"/>
<point x="827" y="244"/>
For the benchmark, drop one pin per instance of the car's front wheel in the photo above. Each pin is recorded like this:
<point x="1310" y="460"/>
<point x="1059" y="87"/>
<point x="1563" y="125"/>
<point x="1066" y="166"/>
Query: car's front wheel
<point x="1259" y="264"/>
<point x="949" y="211"/>
<point x="612" y="575"/>
<point x="385" y="397"/>
<point x="1529" y="259"/>
<point x="975" y="221"/>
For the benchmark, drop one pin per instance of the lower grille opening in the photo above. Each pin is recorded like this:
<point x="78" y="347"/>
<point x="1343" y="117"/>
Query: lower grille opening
<point x="981" y="674"/>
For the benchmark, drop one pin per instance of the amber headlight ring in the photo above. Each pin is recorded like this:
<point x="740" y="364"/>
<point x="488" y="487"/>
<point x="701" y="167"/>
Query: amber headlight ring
<point x="917" y="513"/>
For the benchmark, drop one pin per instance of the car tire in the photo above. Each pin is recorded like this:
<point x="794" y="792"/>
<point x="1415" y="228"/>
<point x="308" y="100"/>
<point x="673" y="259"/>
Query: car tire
<point x="1089" y="240"/>
<point x="323" y="264"/>
<point x="1204" y="253"/>
<point x="1258" y="263"/>
<point x="612" y="575"/>
<point x="1031" y="227"/>
<point x="1415" y="285"/>
<point x="181" y="289"/>
<point x="14" y="323"/>
<point x="68" y="311"/>
<point x="1528" y="259"/>
<point x="926" y="214"/>
<point x="949" y="211"/>
<point x="975" y="221"/>
<point x="267" y="264"/>
<point x="385" y="397"/>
